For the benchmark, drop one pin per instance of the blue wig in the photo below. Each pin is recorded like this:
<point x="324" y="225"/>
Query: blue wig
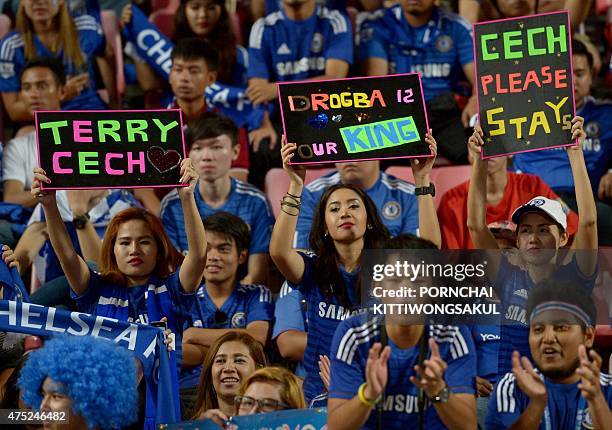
<point x="99" y="376"/>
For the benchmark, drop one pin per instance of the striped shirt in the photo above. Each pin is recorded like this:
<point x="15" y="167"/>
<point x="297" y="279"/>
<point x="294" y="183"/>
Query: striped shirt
<point x="397" y="205"/>
<point x="566" y="407"/>
<point x="400" y="407"/>
<point x="244" y="201"/>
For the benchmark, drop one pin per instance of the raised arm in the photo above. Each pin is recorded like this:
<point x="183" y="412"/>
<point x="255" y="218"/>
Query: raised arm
<point x="429" y="227"/>
<point x="73" y="265"/>
<point x="578" y="10"/>
<point x="477" y="196"/>
<point x="586" y="236"/>
<point x="80" y="203"/>
<point x="192" y="269"/>
<point x="287" y="259"/>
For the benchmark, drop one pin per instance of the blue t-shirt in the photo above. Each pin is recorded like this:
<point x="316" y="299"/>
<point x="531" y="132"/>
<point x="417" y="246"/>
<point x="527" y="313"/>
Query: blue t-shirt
<point x="12" y="61"/>
<point x="566" y="407"/>
<point x="397" y="205"/>
<point x="486" y="341"/>
<point x="352" y="342"/>
<point x="290" y="314"/>
<point x="141" y="304"/>
<point x="553" y="165"/>
<point x="281" y="49"/>
<point x="513" y="286"/>
<point x="324" y="314"/>
<point x="46" y="263"/>
<point x="276" y="5"/>
<point x="244" y="201"/>
<point x="437" y="50"/>
<point x="246" y="304"/>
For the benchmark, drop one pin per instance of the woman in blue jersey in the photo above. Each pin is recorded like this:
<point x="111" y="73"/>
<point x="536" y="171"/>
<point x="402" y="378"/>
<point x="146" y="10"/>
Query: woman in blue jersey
<point x="141" y="278"/>
<point x="44" y="28"/>
<point x="345" y="222"/>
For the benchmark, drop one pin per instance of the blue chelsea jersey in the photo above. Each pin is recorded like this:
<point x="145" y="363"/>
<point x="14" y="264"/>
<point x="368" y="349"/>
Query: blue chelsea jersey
<point x="437" y="50"/>
<point x="513" y="286"/>
<point x="566" y="408"/>
<point x="324" y="313"/>
<point x="400" y="407"/>
<point x="282" y="49"/>
<point x="244" y="201"/>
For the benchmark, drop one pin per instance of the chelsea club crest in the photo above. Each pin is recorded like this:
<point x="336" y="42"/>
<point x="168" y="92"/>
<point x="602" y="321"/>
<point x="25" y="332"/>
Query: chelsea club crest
<point x="317" y="43"/>
<point x="444" y="43"/>
<point x="391" y="210"/>
<point x="239" y="320"/>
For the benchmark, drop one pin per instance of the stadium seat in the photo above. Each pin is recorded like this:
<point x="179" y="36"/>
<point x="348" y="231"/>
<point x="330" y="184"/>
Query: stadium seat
<point x="445" y="177"/>
<point x="110" y="26"/>
<point x="5" y="25"/>
<point x="164" y="20"/>
<point x="164" y="4"/>
<point x="277" y="184"/>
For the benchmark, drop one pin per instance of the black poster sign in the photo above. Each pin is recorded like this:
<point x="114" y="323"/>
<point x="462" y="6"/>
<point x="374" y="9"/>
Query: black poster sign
<point x="525" y="83"/>
<point x="353" y="119"/>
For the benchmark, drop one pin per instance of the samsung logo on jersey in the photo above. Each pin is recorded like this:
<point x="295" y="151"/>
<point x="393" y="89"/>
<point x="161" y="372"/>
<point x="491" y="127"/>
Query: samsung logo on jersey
<point x="335" y="312"/>
<point x="432" y="70"/>
<point x="516" y="313"/>
<point x="302" y="65"/>
<point x="403" y="403"/>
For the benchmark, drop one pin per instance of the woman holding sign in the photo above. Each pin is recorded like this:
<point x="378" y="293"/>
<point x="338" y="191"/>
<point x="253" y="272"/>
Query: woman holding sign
<point x="345" y="222"/>
<point x="141" y="277"/>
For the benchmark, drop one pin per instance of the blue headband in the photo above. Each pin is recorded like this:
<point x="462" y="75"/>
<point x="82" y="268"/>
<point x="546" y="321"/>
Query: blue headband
<point x="561" y="306"/>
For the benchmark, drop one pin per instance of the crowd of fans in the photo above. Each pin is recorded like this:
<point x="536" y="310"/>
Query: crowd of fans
<point x="265" y="312"/>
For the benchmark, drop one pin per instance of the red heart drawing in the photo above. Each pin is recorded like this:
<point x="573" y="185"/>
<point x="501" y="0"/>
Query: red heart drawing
<point x="163" y="160"/>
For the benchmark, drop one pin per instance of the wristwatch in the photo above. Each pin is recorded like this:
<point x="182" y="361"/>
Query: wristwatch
<point x="441" y="397"/>
<point x="80" y="221"/>
<point x="423" y="191"/>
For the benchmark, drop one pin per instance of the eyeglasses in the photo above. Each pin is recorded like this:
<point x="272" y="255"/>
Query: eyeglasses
<point x="247" y="403"/>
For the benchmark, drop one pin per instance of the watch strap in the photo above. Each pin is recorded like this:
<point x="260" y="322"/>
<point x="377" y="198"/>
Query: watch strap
<point x="423" y="191"/>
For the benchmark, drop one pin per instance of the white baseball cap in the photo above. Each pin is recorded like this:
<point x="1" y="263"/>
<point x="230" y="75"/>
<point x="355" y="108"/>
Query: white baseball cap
<point x="552" y="208"/>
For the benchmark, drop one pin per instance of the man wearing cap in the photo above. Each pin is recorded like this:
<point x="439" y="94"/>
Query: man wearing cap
<point x="541" y="231"/>
<point x="505" y="192"/>
<point x="566" y="389"/>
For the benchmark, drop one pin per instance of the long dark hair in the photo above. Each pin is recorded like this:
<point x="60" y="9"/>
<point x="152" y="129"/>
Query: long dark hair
<point x="207" y="395"/>
<point x="327" y="265"/>
<point x="222" y="37"/>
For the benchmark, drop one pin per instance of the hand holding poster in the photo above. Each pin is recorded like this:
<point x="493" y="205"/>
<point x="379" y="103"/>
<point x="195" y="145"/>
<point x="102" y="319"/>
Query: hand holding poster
<point x="110" y="149"/>
<point x="524" y="82"/>
<point x="353" y="119"/>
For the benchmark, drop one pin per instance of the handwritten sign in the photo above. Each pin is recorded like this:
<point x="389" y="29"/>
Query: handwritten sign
<point x="353" y="119"/>
<point x="110" y="149"/>
<point x="524" y="81"/>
